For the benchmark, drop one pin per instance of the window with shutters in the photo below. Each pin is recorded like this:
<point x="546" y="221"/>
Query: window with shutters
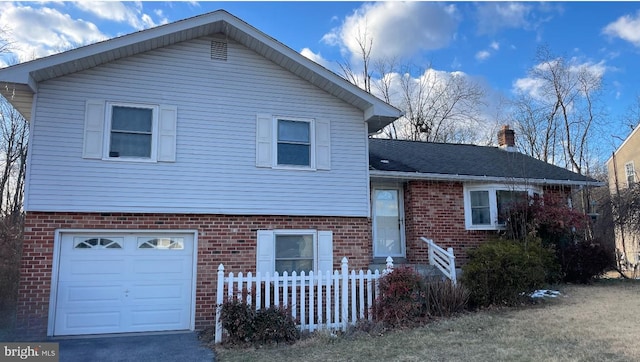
<point x="294" y="146"/>
<point x="294" y="250"/>
<point x="293" y="143"/>
<point x="129" y="131"/>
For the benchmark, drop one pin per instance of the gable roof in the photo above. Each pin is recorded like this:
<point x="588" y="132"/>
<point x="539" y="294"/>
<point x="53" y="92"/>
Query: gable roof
<point x="18" y="83"/>
<point x="444" y="161"/>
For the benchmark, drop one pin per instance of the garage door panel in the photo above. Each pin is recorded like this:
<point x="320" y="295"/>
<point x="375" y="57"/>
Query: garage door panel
<point x="70" y="322"/>
<point x="160" y="318"/>
<point x="160" y="292"/>
<point x="172" y="267"/>
<point x="92" y="268"/>
<point x="83" y="293"/>
<point x="129" y="289"/>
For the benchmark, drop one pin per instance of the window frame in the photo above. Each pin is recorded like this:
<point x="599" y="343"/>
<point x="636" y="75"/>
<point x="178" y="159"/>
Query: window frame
<point x="155" y="110"/>
<point x="302" y="232"/>
<point x="312" y="143"/>
<point x="492" y="189"/>
<point x="630" y="174"/>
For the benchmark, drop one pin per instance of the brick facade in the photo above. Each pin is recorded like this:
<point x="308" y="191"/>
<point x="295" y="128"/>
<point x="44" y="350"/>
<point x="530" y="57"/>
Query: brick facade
<point x="435" y="210"/>
<point x="226" y="239"/>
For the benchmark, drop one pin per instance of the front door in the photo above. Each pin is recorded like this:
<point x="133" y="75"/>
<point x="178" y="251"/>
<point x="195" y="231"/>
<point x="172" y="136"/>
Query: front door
<point x="388" y="225"/>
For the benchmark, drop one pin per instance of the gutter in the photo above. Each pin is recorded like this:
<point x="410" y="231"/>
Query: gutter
<point x="461" y="178"/>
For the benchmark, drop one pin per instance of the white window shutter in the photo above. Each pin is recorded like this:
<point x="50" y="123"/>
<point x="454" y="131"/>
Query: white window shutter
<point x="265" y="252"/>
<point x="167" y="122"/>
<point x="325" y="251"/>
<point x="264" y="140"/>
<point x="93" y="129"/>
<point x="323" y="145"/>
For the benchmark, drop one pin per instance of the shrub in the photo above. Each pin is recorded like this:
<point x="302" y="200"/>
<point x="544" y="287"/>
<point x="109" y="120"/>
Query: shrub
<point x="238" y="318"/>
<point x="446" y="299"/>
<point x="275" y="324"/>
<point x="243" y="324"/>
<point x="402" y="300"/>
<point x="583" y="261"/>
<point x="500" y="271"/>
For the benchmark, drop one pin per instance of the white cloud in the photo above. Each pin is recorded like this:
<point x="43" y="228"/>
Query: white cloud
<point x="129" y="12"/>
<point x="626" y="28"/>
<point x="494" y="16"/>
<point x="482" y="55"/>
<point x="533" y="86"/>
<point x="396" y="29"/>
<point x="40" y="32"/>
<point x="495" y="45"/>
<point x="316" y="57"/>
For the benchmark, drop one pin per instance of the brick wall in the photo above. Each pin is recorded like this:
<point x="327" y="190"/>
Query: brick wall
<point x="226" y="239"/>
<point x="435" y="210"/>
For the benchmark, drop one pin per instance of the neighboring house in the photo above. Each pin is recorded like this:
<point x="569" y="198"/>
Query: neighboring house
<point x="621" y="168"/>
<point x="452" y="193"/>
<point x="158" y="155"/>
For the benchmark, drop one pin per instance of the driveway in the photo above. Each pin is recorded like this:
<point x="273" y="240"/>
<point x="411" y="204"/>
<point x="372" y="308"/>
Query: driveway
<point x="183" y="347"/>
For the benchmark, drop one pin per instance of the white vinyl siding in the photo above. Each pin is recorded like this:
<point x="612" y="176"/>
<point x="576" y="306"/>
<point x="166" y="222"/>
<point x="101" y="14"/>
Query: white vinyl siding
<point x="216" y="139"/>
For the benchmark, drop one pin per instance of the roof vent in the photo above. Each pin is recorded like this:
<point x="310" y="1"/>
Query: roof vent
<point x="219" y="50"/>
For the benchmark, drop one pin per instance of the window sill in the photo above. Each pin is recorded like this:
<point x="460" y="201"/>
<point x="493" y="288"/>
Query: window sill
<point x="130" y="159"/>
<point x="485" y="227"/>
<point x="295" y="168"/>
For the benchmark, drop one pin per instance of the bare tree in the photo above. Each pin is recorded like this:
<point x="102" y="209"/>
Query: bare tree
<point x="440" y="106"/>
<point x="365" y="44"/>
<point x="14" y="134"/>
<point x="558" y="119"/>
<point x="5" y="42"/>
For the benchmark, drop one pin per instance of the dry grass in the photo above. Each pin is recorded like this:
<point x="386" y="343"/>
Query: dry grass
<point x="588" y="323"/>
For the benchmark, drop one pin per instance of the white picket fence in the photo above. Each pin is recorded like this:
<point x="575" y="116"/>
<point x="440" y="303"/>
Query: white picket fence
<point x="317" y="301"/>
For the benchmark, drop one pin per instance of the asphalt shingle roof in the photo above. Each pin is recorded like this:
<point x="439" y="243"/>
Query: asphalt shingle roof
<point x="462" y="160"/>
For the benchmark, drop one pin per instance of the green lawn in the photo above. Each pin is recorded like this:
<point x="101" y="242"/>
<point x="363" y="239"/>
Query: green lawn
<point x="600" y="322"/>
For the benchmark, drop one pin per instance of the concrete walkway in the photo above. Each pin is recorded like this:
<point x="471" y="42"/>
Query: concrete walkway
<point x="182" y="347"/>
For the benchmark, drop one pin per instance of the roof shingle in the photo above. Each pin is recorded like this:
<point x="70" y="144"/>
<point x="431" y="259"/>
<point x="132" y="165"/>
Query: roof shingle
<point x="462" y="160"/>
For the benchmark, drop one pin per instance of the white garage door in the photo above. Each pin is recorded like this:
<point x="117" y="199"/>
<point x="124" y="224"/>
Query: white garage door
<point x="115" y="283"/>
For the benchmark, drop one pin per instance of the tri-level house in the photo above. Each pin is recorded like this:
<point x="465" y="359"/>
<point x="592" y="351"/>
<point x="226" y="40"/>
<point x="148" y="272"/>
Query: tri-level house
<point x="158" y="155"/>
<point x="623" y="176"/>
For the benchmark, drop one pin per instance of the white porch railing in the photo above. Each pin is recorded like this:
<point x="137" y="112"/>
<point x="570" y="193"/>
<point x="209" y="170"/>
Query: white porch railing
<point x="442" y="259"/>
<point x="320" y="300"/>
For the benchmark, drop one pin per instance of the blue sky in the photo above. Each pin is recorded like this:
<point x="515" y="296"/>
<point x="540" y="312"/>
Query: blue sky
<point x="492" y="42"/>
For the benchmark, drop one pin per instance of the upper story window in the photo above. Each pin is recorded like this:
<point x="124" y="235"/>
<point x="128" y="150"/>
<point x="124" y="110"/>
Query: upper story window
<point x="131" y="131"/>
<point x="486" y="206"/>
<point x="294" y="143"/>
<point x="630" y="173"/>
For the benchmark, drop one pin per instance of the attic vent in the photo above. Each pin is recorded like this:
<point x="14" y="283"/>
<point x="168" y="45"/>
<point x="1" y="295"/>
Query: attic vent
<point x="219" y="50"/>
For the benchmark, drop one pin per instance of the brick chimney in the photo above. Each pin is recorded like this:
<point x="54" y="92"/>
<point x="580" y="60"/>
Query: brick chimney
<point x="507" y="139"/>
